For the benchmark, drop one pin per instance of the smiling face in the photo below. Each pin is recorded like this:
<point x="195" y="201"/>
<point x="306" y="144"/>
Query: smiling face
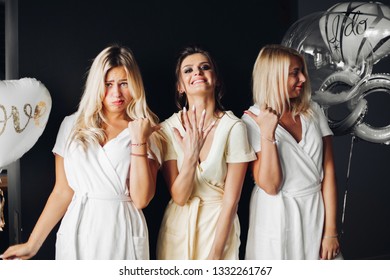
<point x="196" y="75"/>
<point x="117" y="95"/>
<point x="296" y="78"/>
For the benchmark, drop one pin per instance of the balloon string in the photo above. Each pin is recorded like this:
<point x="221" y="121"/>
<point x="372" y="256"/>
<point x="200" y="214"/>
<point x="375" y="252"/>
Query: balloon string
<point x="346" y="185"/>
<point x="2" y="203"/>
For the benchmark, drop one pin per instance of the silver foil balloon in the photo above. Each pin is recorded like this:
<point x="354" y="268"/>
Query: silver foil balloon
<point x="341" y="47"/>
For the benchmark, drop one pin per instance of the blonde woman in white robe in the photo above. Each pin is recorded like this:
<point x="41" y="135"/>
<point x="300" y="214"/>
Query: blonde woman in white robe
<point x="204" y="166"/>
<point x="107" y="158"/>
<point x="293" y="204"/>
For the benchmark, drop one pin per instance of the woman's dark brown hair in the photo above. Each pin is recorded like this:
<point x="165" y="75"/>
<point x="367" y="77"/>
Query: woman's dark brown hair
<point x="181" y="98"/>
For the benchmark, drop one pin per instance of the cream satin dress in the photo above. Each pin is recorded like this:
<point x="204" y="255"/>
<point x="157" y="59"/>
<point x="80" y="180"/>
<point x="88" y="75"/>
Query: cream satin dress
<point x="187" y="232"/>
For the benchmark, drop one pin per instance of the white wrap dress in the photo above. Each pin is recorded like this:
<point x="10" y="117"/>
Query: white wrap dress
<point x="187" y="232"/>
<point x="289" y="225"/>
<point x="101" y="221"/>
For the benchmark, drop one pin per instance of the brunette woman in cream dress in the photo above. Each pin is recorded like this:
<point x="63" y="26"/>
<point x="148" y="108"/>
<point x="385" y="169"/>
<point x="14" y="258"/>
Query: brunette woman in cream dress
<point x="106" y="164"/>
<point x="204" y="166"/>
<point x="293" y="204"/>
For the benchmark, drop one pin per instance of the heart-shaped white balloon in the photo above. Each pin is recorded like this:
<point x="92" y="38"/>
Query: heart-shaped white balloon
<point x="25" y="106"/>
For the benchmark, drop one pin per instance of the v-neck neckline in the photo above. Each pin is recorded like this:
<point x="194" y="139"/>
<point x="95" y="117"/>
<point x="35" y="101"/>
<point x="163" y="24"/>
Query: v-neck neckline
<point x="303" y="131"/>
<point x="212" y="142"/>
<point x="113" y="139"/>
<point x="200" y="163"/>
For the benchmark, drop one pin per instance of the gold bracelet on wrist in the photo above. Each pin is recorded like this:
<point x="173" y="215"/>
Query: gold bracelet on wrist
<point x="275" y="142"/>
<point x="138" y="144"/>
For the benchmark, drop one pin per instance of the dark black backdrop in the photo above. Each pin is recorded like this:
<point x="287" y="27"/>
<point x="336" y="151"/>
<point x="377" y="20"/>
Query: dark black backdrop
<point x="58" y="40"/>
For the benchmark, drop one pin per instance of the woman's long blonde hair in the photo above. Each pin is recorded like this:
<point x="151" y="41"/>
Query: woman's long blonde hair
<point x="90" y="117"/>
<point x="269" y="81"/>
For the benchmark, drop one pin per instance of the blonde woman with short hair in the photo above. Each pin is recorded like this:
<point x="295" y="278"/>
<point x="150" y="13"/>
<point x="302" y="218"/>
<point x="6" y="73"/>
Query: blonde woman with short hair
<point x="293" y="204"/>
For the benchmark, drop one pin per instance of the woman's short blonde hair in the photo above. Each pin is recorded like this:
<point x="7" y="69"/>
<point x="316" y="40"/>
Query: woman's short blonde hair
<point x="269" y="80"/>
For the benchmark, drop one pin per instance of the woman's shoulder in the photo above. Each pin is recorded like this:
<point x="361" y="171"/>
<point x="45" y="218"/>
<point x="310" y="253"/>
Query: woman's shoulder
<point x="316" y="109"/>
<point x="255" y="110"/>
<point x="66" y="126"/>
<point x="230" y="114"/>
<point x="69" y="120"/>
<point x="172" y="120"/>
<point x="231" y="121"/>
<point x="315" y="106"/>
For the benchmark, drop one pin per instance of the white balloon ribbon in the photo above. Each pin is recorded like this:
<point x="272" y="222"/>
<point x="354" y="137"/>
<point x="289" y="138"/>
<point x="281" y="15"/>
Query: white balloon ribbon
<point x="2" y="203"/>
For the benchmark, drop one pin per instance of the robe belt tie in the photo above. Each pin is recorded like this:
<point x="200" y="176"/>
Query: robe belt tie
<point x="193" y="208"/>
<point x="314" y="188"/>
<point x="84" y="197"/>
<point x="100" y="196"/>
<point x="306" y="191"/>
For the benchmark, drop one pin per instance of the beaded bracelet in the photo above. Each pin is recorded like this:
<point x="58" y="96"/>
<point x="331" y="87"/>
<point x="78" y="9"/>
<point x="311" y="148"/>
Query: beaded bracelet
<point x="330" y="236"/>
<point x="138" y="144"/>
<point x="139" y="155"/>
<point x="276" y="141"/>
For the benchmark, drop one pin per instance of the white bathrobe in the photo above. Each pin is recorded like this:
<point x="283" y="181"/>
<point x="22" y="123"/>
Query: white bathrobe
<point x="101" y="221"/>
<point x="289" y="225"/>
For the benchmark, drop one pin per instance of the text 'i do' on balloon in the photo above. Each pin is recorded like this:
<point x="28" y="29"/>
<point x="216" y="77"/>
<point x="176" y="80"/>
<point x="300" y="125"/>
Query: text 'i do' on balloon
<point x="342" y="47"/>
